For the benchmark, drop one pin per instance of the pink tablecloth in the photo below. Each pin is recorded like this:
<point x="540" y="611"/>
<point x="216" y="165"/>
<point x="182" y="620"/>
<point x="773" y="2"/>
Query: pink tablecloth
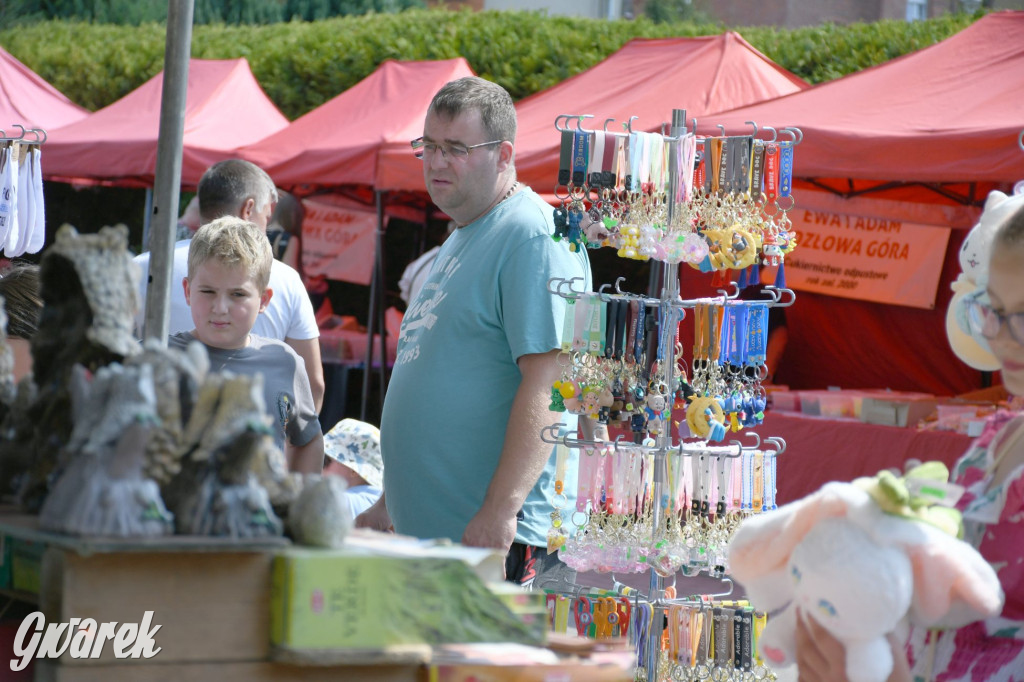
<point x="822" y="449"/>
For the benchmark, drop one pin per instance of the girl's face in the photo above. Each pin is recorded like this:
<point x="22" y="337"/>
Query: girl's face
<point x="1006" y="290"/>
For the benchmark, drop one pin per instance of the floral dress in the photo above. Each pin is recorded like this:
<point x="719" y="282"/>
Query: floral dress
<point x="991" y="650"/>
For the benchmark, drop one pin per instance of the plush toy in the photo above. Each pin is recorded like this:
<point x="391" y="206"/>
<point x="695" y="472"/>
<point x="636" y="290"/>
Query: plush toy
<point x="974" y="257"/>
<point x="861" y="559"/>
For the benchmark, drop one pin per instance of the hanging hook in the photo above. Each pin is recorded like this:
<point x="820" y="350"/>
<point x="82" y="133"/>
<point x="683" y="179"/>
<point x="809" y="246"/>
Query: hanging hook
<point x="37" y="132"/>
<point x="775" y="133"/>
<point x="1020" y="140"/>
<point x="572" y="292"/>
<point x="779" y="442"/>
<point x="752" y="123"/>
<point x="619" y="291"/>
<point x="721" y="128"/>
<point x="782" y="304"/>
<point x="555" y="289"/>
<point x="693" y="122"/>
<point x="793" y="131"/>
<point x="561" y="117"/>
<point x="606" y="122"/>
<point x="629" y="123"/>
<point x="22" y="136"/>
<point x="743" y="447"/>
<point x="549" y="434"/>
<point x="579" y="122"/>
<point x="727" y="296"/>
<point x="664" y="129"/>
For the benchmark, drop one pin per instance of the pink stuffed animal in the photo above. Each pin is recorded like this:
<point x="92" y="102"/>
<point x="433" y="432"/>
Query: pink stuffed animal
<point x="861" y="558"/>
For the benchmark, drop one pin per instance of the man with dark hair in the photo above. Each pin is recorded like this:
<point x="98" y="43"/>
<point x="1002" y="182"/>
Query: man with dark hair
<point x="242" y="189"/>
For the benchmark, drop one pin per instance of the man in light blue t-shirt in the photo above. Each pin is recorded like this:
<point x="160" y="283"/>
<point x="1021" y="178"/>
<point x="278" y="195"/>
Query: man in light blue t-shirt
<point x="460" y="430"/>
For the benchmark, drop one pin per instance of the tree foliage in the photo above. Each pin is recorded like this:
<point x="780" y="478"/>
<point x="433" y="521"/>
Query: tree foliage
<point x="301" y="65"/>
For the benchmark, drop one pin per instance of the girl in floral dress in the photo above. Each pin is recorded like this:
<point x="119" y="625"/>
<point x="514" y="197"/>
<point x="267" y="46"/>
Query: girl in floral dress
<point x="992" y="471"/>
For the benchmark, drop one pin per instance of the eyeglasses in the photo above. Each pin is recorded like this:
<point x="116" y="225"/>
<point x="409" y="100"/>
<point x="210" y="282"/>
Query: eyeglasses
<point x="987" y="322"/>
<point x="452" y="152"/>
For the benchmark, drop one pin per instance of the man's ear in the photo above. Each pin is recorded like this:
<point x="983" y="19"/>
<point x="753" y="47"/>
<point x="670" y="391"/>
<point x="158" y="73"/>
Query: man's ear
<point x="506" y="155"/>
<point x="188" y="291"/>
<point x="268" y="294"/>
<point x="248" y="208"/>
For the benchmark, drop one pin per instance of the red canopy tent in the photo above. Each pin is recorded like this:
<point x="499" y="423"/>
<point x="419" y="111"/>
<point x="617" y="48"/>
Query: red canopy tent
<point x="30" y="101"/>
<point x="920" y="139"/>
<point x="340" y="142"/>
<point x="225" y="109"/>
<point x="648" y="79"/>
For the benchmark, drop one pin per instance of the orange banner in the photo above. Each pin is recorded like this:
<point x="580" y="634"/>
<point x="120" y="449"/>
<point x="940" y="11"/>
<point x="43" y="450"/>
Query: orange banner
<point x="338" y="239"/>
<point x="871" y="259"/>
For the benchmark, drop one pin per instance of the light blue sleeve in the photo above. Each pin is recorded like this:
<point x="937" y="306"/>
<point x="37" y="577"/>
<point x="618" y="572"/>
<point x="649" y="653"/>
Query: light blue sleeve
<point x="532" y="315"/>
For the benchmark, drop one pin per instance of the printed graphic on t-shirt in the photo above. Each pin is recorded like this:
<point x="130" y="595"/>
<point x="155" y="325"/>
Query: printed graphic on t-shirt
<point x="421" y="316"/>
<point x="285" y="408"/>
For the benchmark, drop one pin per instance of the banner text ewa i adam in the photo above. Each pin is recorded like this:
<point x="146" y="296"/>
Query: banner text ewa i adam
<point x="871" y="259"/>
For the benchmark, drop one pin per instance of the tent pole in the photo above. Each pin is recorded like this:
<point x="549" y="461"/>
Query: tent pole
<point x="146" y="223"/>
<point x="168" y="168"/>
<point x="371" y="320"/>
<point x="375" y="315"/>
<point x="381" y="304"/>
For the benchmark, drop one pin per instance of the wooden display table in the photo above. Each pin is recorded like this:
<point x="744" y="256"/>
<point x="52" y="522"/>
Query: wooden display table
<point x="210" y="597"/>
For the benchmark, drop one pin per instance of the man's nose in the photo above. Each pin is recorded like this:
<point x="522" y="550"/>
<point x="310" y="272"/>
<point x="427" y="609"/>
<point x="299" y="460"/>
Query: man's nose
<point x="439" y="156"/>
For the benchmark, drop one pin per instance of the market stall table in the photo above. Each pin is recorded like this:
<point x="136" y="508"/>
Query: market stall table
<point x="823" y="449"/>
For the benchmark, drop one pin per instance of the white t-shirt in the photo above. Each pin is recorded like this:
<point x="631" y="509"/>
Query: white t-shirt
<point x="288" y="315"/>
<point x="416" y="274"/>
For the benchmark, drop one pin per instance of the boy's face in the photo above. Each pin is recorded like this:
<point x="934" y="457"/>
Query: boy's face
<point x="225" y="302"/>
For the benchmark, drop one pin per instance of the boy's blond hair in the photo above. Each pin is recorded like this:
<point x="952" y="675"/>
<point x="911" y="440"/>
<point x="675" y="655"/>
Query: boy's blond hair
<point x="232" y="242"/>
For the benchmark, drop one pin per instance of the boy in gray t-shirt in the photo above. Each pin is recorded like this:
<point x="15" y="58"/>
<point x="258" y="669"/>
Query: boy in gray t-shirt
<point x="228" y="271"/>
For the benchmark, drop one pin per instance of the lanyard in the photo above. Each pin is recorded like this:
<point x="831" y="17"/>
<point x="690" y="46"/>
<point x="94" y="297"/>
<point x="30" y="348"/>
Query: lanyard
<point x="785" y="169"/>
<point x="596" y="158"/>
<point x="565" y="158"/>
<point x="771" y="172"/>
<point x="580" y="157"/>
<point x="757" y="170"/>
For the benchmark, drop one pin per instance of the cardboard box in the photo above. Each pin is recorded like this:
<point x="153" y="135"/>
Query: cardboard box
<point x="529" y="605"/>
<point x="26" y="564"/>
<point x="896" y="411"/>
<point x="349" y="600"/>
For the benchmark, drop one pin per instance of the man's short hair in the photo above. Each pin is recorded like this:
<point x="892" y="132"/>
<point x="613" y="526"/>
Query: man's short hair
<point x="226" y="185"/>
<point x="233" y="241"/>
<point x="490" y="99"/>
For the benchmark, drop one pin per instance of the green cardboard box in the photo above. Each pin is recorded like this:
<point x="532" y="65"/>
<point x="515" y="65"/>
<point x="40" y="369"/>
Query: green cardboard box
<point x="324" y="600"/>
<point x="26" y="564"/>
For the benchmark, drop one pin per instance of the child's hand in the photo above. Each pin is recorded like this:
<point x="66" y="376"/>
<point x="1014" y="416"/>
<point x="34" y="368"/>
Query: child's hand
<point x="820" y="657"/>
<point x="376" y="517"/>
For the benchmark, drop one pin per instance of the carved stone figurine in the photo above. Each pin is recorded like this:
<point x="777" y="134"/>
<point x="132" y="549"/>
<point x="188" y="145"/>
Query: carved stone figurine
<point x="177" y="376"/>
<point x="217" y="491"/>
<point x="102" y="491"/>
<point x="320" y="515"/>
<point x="87" y="283"/>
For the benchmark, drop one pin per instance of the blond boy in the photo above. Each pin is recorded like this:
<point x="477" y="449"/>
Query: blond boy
<point x="226" y="288"/>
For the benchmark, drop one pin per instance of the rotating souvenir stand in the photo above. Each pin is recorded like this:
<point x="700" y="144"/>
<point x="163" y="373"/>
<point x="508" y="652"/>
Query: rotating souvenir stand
<point x="737" y="166"/>
<point x="641" y="491"/>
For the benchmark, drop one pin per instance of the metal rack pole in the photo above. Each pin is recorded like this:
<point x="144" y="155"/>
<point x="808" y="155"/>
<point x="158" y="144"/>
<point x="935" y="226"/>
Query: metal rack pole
<point x="669" y="294"/>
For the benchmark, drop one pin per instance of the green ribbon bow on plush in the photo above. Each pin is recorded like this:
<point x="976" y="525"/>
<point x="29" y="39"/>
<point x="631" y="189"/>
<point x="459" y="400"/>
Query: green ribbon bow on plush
<point x="918" y="495"/>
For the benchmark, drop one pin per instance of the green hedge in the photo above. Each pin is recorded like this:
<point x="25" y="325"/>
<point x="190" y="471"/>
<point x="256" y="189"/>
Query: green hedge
<point x="301" y="65"/>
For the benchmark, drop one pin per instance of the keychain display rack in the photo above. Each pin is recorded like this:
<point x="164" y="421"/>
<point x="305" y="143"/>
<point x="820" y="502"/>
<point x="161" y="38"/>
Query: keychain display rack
<point x="716" y="203"/>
